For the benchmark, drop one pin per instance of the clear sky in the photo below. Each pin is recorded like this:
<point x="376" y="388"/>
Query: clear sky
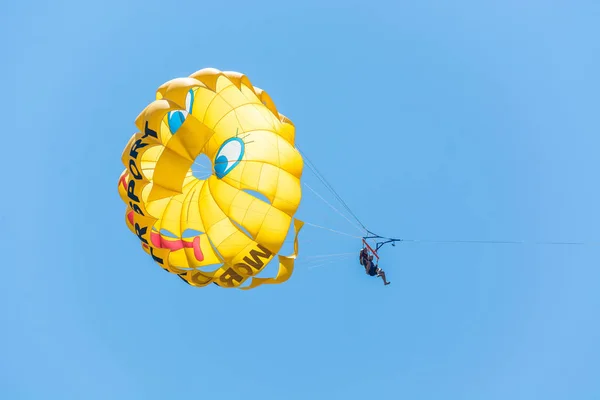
<point x="462" y="120"/>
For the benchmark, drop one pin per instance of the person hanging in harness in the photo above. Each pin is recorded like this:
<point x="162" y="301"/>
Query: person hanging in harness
<point x="363" y="257"/>
<point x="371" y="268"/>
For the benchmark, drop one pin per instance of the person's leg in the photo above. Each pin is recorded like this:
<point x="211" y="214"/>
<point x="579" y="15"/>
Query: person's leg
<point x="381" y="273"/>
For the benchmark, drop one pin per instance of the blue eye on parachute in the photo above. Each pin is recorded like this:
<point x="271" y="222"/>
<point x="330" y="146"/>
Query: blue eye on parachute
<point x="176" y="118"/>
<point x="228" y="156"/>
<point x="189" y="101"/>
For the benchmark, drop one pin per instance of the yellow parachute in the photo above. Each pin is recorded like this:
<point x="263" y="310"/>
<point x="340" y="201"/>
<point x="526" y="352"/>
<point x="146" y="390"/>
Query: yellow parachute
<point x="213" y="230"/>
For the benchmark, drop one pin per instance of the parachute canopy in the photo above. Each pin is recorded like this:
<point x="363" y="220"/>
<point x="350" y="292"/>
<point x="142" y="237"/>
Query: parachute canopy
<point x="224" y="229"/>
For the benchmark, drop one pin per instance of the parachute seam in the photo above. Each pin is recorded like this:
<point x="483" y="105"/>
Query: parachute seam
<point x="246" y="211"/>
<point x="234" y="109"/>
<point x="267" y="213"/>
<point x="268" y="121"/>
<point x="208" y="105"/>
<point x="216" y="251"/>
<point x="262" y="162"/>
<point x="180" y="224"/>
<point x="231" y="110"/>
<point x="190" y="203"/>
<point x="191" y="196"/>
<point x="226" y="215"/>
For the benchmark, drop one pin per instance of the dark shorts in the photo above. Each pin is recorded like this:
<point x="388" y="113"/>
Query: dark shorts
<point x="373" y="271"/>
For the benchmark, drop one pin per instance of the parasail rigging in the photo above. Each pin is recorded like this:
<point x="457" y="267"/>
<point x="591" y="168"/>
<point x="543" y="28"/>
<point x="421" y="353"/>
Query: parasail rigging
<point x="225" y="227"/>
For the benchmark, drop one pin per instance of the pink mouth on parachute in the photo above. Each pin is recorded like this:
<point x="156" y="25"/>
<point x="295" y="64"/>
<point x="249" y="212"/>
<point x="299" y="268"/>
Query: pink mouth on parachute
<point x="173" y="244"/>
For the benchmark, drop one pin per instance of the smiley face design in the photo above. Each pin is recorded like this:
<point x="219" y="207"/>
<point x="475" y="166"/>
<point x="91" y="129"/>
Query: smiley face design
<point x="226" y="228"/>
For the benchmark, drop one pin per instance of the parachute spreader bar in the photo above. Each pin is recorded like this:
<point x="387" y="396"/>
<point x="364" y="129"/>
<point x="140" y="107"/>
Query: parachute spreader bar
<point x="378" y="245"/>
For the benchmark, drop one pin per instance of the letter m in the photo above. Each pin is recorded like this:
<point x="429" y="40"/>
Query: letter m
<point x="256" y="255"/>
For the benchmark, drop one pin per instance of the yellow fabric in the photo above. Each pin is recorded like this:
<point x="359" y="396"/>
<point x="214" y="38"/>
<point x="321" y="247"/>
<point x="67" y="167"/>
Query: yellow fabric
<point x="286" y="264"/>
<point x="213" y="230"/>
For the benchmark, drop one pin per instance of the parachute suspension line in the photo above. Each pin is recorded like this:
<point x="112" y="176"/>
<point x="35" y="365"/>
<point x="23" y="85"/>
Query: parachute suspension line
<point x="328" y="186"/>
<point x="202" y="165"/>
<point x="343" y="203"/>
<point x="202" y="175"/>
<point x="332" y="207"/>
<point x="327" y="260"/>
<point x="322" y="256"/>
<point x="312" y="260"/>
<point x="503" y="242"/>
<point x="322" y="264"/>
<point x="332" y="230"/>
<point x="383" y="240"/>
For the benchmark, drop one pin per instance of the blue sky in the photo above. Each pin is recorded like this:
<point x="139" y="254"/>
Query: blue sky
<point x="465" y="120"/>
